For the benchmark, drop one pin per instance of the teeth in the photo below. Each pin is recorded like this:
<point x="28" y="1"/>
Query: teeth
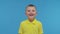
<point x="31" y="14"/>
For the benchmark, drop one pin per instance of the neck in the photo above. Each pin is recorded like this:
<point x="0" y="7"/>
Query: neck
<point x="31" y="20"/>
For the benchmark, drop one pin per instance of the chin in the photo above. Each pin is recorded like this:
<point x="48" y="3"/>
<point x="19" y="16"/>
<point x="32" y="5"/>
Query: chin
<point x="31" y="17"/>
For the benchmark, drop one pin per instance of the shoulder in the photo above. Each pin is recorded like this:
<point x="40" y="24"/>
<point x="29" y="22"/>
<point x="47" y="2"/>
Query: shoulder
<point x="23" y="22"/>
<point x="39" y="22"/>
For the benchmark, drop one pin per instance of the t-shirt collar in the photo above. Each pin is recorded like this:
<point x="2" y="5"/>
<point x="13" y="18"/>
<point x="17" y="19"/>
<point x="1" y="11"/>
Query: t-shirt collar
<point x="34" y="21"/>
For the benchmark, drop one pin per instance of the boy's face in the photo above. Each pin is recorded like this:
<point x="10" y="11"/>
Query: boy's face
<point x="31" y="12"/>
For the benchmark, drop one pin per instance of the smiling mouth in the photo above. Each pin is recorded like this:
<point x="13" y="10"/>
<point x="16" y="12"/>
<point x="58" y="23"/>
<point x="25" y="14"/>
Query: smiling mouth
<point x="31" y="14"/>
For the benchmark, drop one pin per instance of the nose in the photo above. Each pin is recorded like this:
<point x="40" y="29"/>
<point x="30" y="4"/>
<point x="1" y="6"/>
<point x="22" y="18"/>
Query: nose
<point x="31" y="11"/>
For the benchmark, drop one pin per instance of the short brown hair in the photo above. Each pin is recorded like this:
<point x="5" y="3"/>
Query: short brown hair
<point x="30" y="5"/>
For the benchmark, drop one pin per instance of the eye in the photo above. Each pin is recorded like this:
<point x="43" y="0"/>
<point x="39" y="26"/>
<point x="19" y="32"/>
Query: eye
<point x="33" y="10"/>
<point x="28" y="10"/>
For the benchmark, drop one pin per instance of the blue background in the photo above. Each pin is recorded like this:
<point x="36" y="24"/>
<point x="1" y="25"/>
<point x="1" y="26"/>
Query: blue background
<point x="12" y="12"/>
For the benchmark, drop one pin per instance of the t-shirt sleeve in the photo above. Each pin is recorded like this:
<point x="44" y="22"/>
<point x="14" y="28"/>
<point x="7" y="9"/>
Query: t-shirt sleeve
<point x="20" y="29"/>
<point x="40" y="29"/>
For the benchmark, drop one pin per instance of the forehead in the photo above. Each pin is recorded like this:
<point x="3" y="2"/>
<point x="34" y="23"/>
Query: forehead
<point x="30" y="8"/>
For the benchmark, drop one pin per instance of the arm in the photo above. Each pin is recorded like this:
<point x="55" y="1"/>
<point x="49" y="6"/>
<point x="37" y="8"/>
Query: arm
<point x="20" y="29"/>
<point x="40" y="29"/>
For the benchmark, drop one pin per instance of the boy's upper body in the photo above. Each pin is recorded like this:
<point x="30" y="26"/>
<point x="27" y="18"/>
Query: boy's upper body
<point x="31" y="25"/>
<point x="27" y="27"/>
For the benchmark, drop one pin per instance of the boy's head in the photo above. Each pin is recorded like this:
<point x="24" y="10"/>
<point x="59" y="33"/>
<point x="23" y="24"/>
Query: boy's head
<point x="31" y="11"/>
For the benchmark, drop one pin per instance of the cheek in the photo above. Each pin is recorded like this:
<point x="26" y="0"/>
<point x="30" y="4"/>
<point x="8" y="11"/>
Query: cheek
<point x="34" y="13"/>
<point x="27" y="13"/>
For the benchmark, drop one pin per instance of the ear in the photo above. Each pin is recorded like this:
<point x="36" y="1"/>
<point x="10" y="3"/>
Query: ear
<point x="25" y="13"/>
<point x="36" y="13"/>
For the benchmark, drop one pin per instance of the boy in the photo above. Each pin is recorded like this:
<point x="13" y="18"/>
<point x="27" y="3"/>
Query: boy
<point x="31" y="25"/>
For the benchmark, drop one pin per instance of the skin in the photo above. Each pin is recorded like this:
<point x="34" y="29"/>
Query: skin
<point x="31" y="13"/>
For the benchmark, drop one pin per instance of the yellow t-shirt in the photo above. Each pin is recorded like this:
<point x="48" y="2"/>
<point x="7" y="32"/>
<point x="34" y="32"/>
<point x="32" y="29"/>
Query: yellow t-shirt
<point x="27" y="27"/>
